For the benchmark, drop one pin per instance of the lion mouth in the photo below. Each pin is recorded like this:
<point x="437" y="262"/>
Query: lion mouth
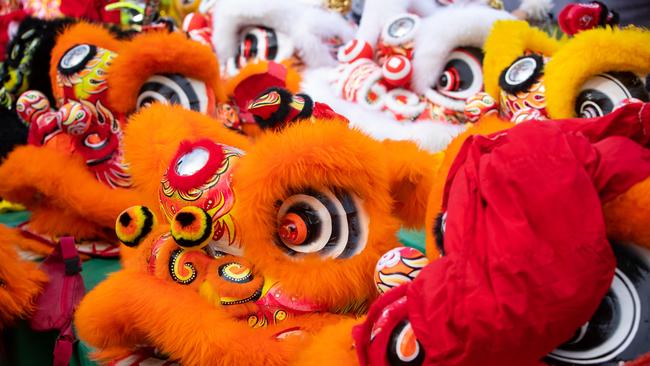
<point x="229" y="301"/>
<point x="277" y="299"/>
<point x="95" y="162"/>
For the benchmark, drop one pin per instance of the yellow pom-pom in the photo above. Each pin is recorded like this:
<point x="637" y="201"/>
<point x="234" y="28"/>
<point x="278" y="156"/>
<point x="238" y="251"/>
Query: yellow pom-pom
<point x="133" y="224"/>
<point x="192" y="227"/>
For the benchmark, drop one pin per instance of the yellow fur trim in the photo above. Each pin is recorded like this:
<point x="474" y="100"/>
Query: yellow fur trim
<point x="508" y="40"/>
<point x="590" y="53"/>
<point x="6" y="206"/>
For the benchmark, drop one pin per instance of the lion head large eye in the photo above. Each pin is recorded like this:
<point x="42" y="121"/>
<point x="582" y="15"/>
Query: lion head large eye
<point x="76" y="58"/>
<point x="617" y="331"/>
<point x="401" y="29"/>
<point x="522" y="74"/>
<point x="190" y="93"/>
<point x="262" y="43"/>
<point x="602" y="93"/>
<point x="461" y="78"/>
<point x="331" y="223"/>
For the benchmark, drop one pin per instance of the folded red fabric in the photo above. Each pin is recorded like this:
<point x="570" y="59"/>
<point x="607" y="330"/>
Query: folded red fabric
<point x="527" y="260"/>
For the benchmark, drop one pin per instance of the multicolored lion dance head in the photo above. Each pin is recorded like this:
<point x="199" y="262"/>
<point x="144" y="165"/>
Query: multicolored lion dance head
<point x="302" y="255"/>
<point x="74" y="165"/>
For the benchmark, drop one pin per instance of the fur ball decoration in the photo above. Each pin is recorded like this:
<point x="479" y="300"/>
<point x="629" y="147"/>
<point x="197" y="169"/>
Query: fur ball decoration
<point x="398" y="266"/>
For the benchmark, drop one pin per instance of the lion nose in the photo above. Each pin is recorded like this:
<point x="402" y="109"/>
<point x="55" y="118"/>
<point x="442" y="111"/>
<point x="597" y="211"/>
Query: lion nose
<point x="191" y="227"/>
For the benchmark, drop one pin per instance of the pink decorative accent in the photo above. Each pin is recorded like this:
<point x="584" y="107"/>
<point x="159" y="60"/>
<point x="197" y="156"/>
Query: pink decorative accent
<point x="275" y="306"/>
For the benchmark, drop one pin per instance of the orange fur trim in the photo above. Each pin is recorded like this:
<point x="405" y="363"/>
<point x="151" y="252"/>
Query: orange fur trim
<point x="20" y="283"/>
<point x="333" y="345"/>
<point x="292" y="79"/>
<point x="12" y="237"/>
<point x="190" y="330"/>
<point x="159" y="53"/>
<point x="487" y="125"/>
<point x="412" y="172"/>
<point x="508" y="40"/>
<point x="310" y="154"/>
<point x="627" y="216"/>
<point x="136" y="258"/>
<point x="317" y="155"/>
<point x="75" y="34"/>
<point x="252" y="130"/>
<point x="152" y="137"/>
<point x="55" y="184"/>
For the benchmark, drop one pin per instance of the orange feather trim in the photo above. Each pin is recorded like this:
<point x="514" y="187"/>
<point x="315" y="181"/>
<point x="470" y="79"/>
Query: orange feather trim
<point x="150" y="53"/>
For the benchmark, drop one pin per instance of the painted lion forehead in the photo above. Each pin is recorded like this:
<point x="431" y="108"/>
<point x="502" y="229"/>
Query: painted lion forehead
<point x="532" y="75"/>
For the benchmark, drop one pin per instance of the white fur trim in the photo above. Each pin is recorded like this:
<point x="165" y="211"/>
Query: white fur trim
<point x="305" y="25"/>
<point x="433" y="136"/>
<point x="449" y="28"/>
<point x="536" y="9"/>
<point x="377" y="12"/>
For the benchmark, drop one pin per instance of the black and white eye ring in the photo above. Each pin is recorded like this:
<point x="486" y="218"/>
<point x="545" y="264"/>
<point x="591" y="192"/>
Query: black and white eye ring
<point x="174" y="89"/>
<point x="522" y="74"/>
<point x="331" y="223"/>
<point x="76" y="58"/>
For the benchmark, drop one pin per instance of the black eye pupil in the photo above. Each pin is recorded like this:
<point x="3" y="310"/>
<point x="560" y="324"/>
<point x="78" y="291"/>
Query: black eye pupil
<point x="593" y="103"/>
<point x="258" y="43"/>
<point x="457" y="76"/>
<point x="444" y="80"/>
<point x="250" y="46"/>
<point x="604" y="92"/>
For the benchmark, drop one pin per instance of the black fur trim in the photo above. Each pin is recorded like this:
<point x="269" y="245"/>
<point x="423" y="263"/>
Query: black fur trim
<point x="279" y="117"/>
<point x="13" y="132"/>
<point x="526" y="84"/>
<point x="603" y="13"/>
<point x="80" y="66"/>
<point x="121" y="34"/>
<point x="438" y="235"/>
<point x="308" y="110"/>
<point x="613" y="18"/>
<point x="38" y="77"/>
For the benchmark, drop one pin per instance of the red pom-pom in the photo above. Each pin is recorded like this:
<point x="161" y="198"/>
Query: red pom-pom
<point x="397" y="70"/>
<point x="575" y="18"/>
<point x="354" y="50"/>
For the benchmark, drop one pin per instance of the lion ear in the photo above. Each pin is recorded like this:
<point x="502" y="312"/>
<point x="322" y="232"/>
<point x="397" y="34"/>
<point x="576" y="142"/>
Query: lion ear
<point x="412" y="171"/>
